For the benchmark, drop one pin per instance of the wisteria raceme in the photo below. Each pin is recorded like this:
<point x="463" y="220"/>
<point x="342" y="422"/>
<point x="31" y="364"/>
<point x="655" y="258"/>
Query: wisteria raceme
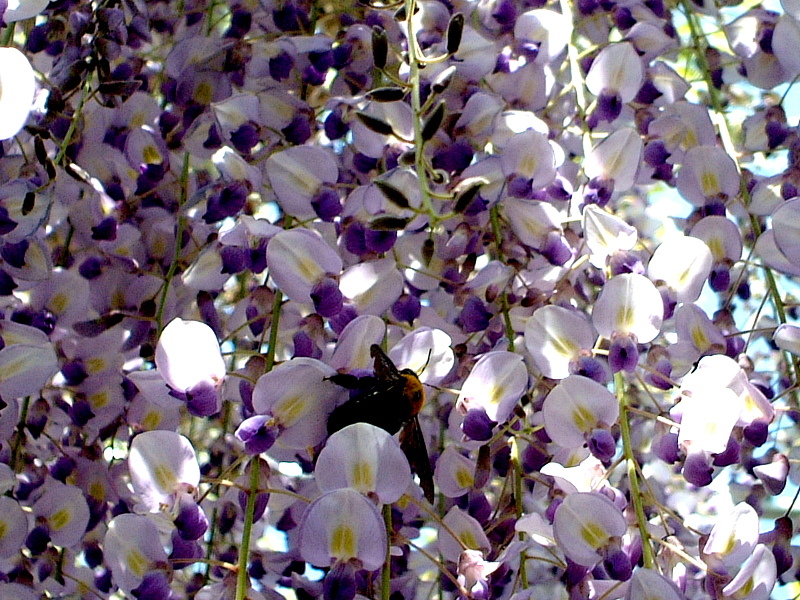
<point x="571" y="227"/>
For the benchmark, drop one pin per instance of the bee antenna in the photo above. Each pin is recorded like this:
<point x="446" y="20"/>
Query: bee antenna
<point x="427" y="362"/>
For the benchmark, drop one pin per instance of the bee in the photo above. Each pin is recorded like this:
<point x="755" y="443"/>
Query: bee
<point x="391" y="399"/>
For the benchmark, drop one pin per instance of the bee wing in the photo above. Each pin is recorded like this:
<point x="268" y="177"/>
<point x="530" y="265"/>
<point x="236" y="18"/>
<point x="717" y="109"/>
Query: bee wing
<point x="413" y="445"/>
<point x="384" y="367"/>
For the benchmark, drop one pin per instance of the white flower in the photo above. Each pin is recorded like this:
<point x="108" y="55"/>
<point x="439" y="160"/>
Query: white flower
<point x="17" y="86"/>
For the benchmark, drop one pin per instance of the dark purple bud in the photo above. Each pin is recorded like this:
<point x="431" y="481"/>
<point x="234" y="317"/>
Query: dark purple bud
<point x="609" y="105"/>
<point x="406" y="308"/>
<point x="648" y="93"/>
<point x="340" y="582"/>
<point x="519" y="187"/>
<point x="696" y="469"/>
<point x="776" y="134"/>
<point x="191" y="521"/>
<point x="655" y="153"/>
<point x="618" y="565"/>
<point x="261" y="501"/>
<point x="280" y="66"/>
<point x="757" y="432"/>
<point x="326" y="204"/>
<point x="379" y="241"/>
<point x="454" y="158"/>
<point x="312" y="76"/>
<point x="91" y="268"/>
<point x="80" y="412"/>
<point x="363" y="163"/>
<point x="590" y="367"/>
<point x="340" y="321"/>
<point x="298" y="131"/>
<point x="623" y="355"/>
<point x="184" y="552"/>
<point x="477" y="425"/>
<point x="73" y="372"/>
<point x="7" y="284"/>
<point x="241" y="21"/>
<point x="335" y="127"/>
<point x="154" y="586"/>
<point x="93" y="555"/>
<point x="664" y="367"/>
<point x="14" y="254"/>
<point x="623" y="18"/>
<point x="228" y="203"/>
<point x="62" y="468"/>
<point x="474" y="316"/>
<point x="556" y="249"/>
<point x="105" y="230"/>
<point x="730" y="455"/>
<point x="720" y="278"/>
<point x="6" y="224"/>
<point x="669" y="300"/>
<point x="666" y="448"/>
<point x="304" y="346"/>
<point x="37" y="540"/>
<point x="625" y="262"/>
<point x="202" y="400"/>
<point x="257" y="433"/>
<point x="598" y="191"/>
<point x="246" y="137"/>
<point x="235" y="259"/>
<point x="327" y="297"/>
<point x="602" y="444"/>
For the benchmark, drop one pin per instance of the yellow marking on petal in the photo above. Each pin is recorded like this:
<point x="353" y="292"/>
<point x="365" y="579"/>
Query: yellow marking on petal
<point x="151" y="155"/>
<point x="290" y="410"/>
<point x="625" y="318"/>
<point x="699" y="339"/>
<point x="165" y="478"/>
<point x="137" y="562"/>
<point x="97" y="491"/>
<point x="717" y="248"/>
<point x="100" y="399"/>
<point x="202" y="93"/>
<point x="151" y="420"/>
<point x="564" y="346"/>
<point x="59" y="303"/>
<point x="59" y="519"/>
<point x="583" y="418"/>
<point x="729" y="545"/>
<point x="343" y="542"/>
<point x="3" y="530"/>
<point x="362" y="477"/>
<point x="709" y="182"/>
<point x="527" y="165"/>
<point x="95" y="365"/>
<point x="594" y="535"/>
<point x="468" y="540"/>
<point x="464" y="478"/>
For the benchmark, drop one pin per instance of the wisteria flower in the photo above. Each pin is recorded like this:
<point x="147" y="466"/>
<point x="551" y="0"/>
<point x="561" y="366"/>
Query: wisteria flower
<point x="17" y="85"/>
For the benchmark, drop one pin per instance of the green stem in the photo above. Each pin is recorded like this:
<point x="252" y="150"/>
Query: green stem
<point x="633" y="477"/>
<point x="386" y="572"/>
<point x="173" y="267"/>
<point x="701" y="44"/>
<point x="73" y="124"/>
<point x="23" y="418"/>
<point x="494" y="215"/>
<point x="8" y="35"/>
<point x="242" y="581"/>
<point x="416" y="108"/>
<point x="519" y="508"/>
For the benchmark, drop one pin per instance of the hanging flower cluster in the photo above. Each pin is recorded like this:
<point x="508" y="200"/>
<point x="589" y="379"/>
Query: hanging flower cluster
<point x="482" y="299"/>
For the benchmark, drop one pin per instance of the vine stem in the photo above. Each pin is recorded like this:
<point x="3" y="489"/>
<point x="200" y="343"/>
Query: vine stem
<point x="173" y="267"/>
<point x="701" y="43"/>
<point x="386" y="572"/>
<point x="633" y="477"/>
<point x="242" y="584"/>
<point x="242" y="580"/>
<point x="416" y="108"/>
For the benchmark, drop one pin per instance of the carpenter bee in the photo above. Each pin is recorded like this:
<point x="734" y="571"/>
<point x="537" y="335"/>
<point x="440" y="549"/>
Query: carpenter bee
<point x="391" y="399"/>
